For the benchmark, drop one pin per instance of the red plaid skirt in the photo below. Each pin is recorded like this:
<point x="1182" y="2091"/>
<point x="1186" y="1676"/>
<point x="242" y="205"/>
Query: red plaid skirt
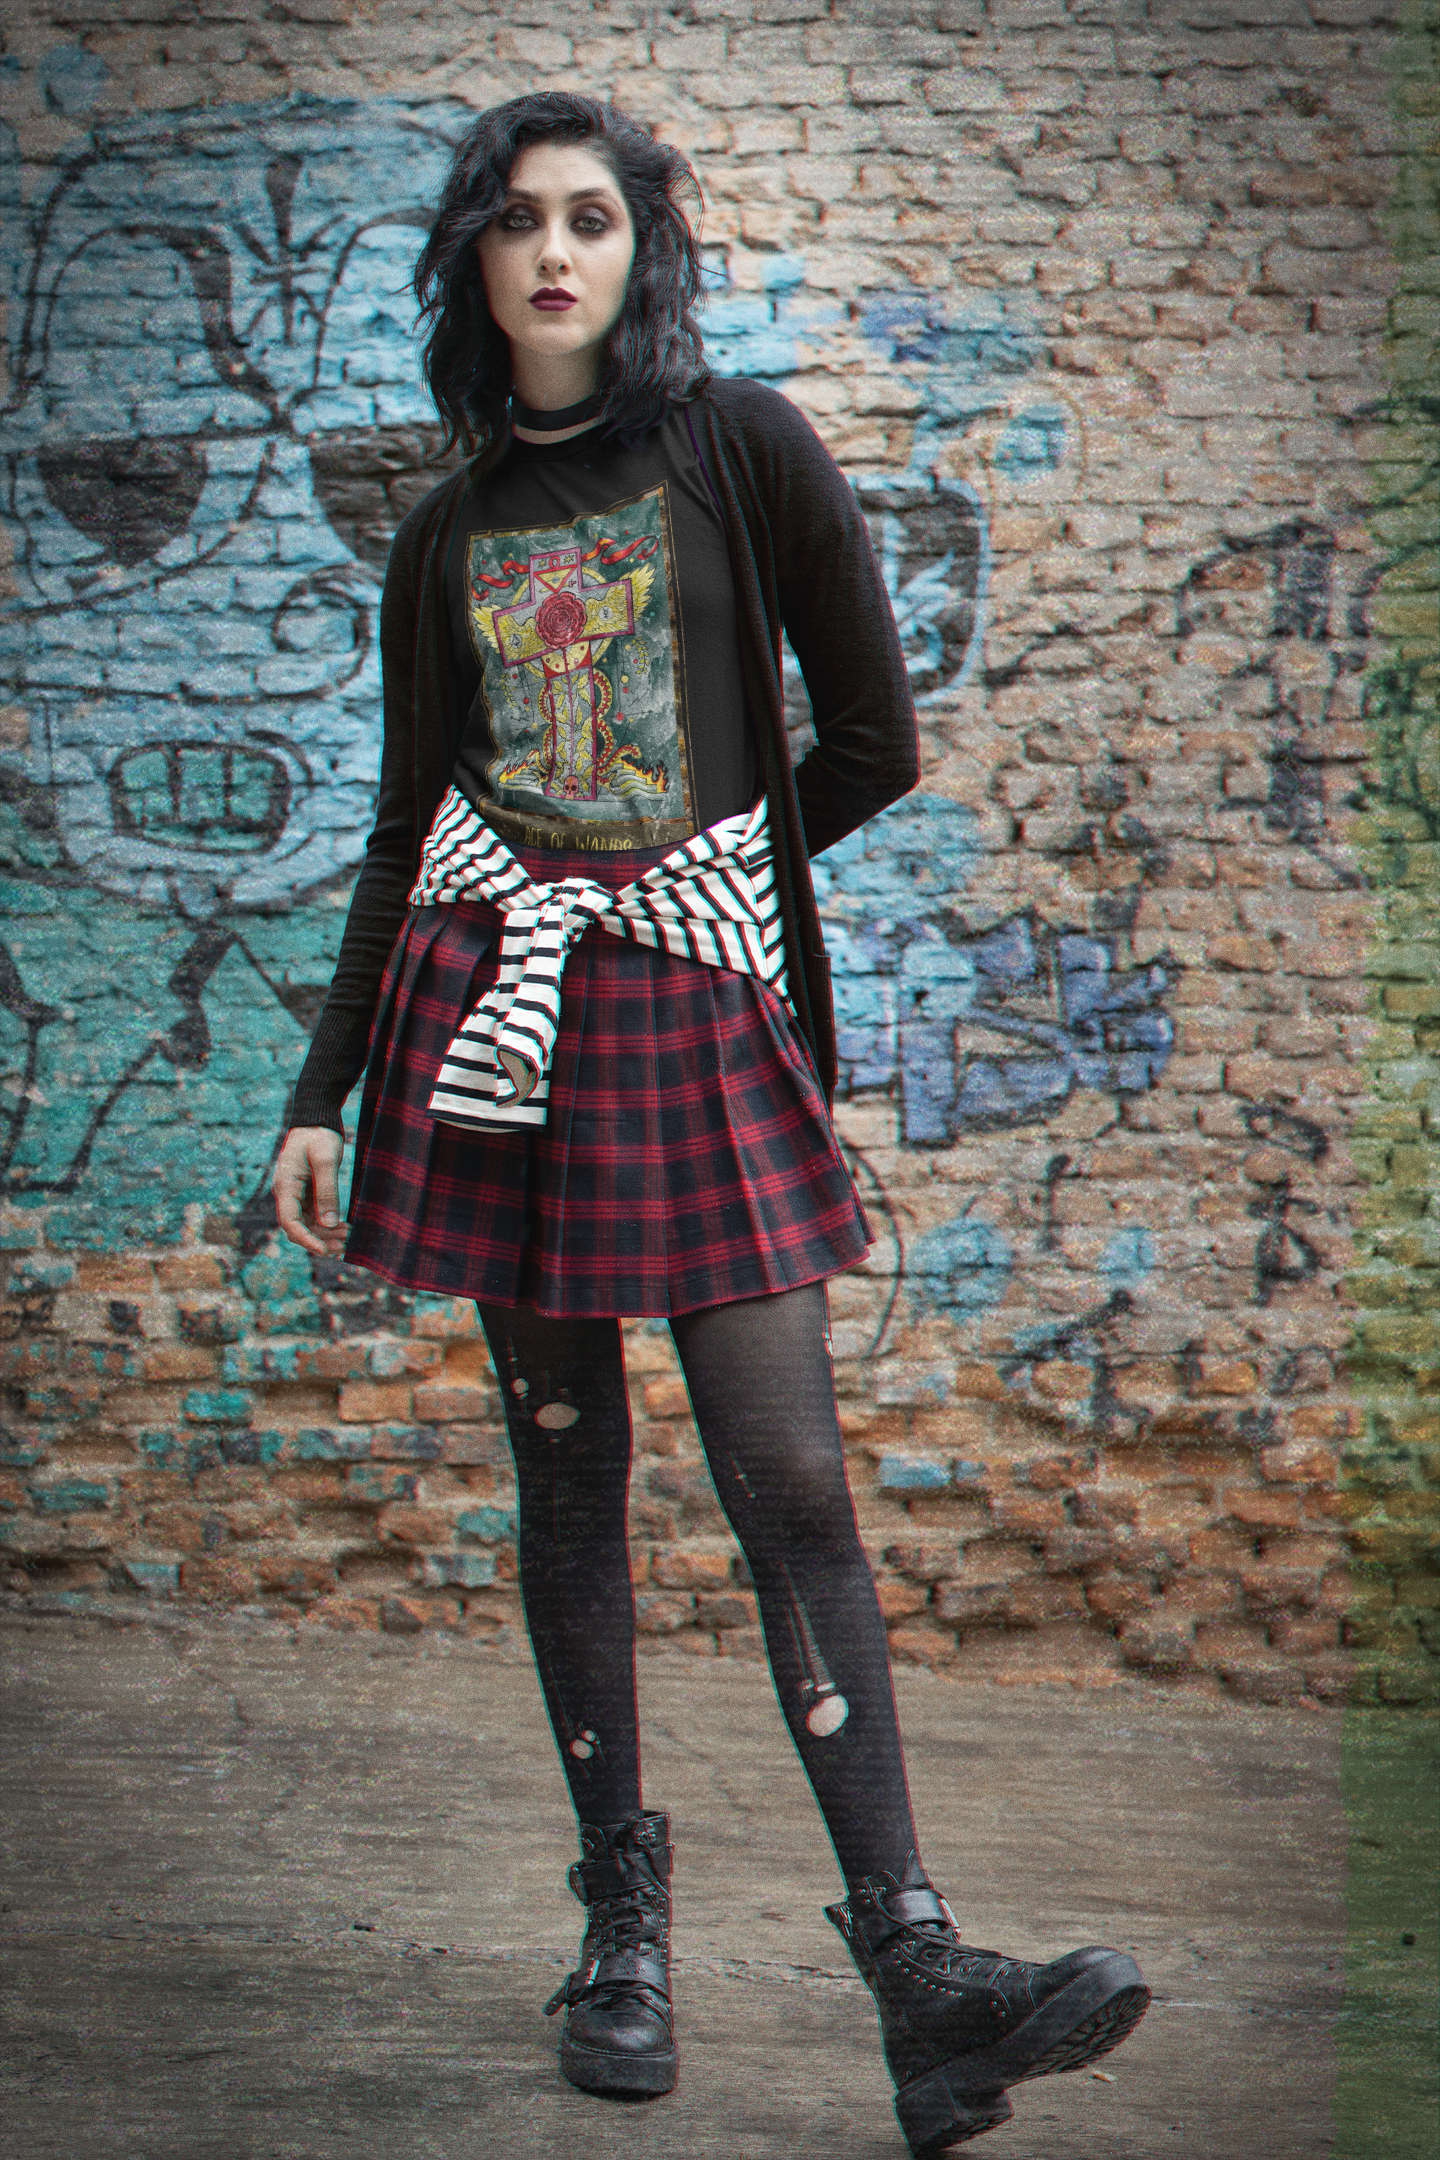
<point x="687" y="1158"/>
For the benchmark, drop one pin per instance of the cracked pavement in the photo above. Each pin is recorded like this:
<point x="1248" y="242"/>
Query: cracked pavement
<point x="274" y="1899"/>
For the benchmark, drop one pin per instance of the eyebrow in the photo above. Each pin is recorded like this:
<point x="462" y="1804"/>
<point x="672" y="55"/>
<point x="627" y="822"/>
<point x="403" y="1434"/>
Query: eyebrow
<point x="580" y="195"/>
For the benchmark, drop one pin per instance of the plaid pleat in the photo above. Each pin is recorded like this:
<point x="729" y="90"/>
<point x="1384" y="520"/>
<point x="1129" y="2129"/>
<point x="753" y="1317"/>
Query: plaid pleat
<point x="687" y="1158"/>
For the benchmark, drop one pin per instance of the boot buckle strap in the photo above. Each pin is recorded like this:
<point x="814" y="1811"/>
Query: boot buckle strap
<point x="570" y="1991"/>
<point x="905" y="1907"/>
<point x="875" y="1923"/>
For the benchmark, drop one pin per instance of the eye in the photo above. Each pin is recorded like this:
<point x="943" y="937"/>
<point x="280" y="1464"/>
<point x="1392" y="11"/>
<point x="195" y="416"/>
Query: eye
<point x="592" y="222"/>
<point x="515" y="220"/>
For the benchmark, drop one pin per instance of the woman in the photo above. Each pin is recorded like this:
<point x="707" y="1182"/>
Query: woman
<point x="585" y="957"/>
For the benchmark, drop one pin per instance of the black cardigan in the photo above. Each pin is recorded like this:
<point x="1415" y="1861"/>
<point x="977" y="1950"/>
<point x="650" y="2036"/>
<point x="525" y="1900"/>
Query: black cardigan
<point x="802" y="560"/>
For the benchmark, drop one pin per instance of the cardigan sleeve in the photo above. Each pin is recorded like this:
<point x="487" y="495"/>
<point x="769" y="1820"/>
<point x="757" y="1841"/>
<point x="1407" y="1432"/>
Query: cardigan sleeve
<point x="377" y="908"/>
<point x="832" y="601"/>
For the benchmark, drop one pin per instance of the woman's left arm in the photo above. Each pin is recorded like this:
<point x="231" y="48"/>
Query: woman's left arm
<point x="840" y="623"/>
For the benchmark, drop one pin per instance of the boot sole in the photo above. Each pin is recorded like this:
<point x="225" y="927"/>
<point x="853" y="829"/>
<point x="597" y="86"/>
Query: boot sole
<point x="593" y="2071"/>
<point x="1098" y="2010"/>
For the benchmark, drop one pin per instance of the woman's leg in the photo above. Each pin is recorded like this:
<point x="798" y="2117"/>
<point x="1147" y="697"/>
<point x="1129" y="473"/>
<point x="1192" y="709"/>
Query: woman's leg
<point x="959" y="2025"/>
<point x="568" y="1416"/>
<point x="763" y="1394"/>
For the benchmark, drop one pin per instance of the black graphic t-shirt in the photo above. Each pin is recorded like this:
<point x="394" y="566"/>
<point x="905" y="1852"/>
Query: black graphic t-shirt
<point x="593" y="614"/>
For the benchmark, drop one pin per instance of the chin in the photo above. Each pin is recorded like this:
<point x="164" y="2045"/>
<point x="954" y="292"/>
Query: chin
<point x="552" y="348"/>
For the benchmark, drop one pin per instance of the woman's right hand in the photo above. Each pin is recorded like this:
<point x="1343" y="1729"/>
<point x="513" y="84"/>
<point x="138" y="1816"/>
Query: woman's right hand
<point x="306" y="1186"/>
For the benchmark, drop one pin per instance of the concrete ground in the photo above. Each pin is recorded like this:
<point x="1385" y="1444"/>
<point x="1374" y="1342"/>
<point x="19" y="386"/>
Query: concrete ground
<point x="276" y="1901"/>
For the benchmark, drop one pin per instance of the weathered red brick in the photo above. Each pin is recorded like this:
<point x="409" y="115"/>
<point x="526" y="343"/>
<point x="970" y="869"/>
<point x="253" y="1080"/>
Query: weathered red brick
<point x="179" y="1361"/>
<point x="407" y="1525"/>
<point x="1228" y="1376"/>
<point x="1234" y="1642"/>
<point x="966" y="1604"/>
<point x="898" y="1599"/>
<point x="335" y="1361"/>
<point x="1031" y="1514"/>
<point x="1248" y="955"/>
<point x="117" y="1275"/>
<point x="1263" y="1680"/>
<point x="191" y="1271"/>
<point x="1057" y="1473"/>
<point x="218" y="1581"/>
<point x="1265" y="1508"/>
<point x="689" y="1568"/>
<point x="345" y="1612"/>
<point x="1325" y="1421"/>
<point x="1065" y="1381"/>
<point x="1038" y="1604"/>
<point x="1299" y="1462"/>
<point x="295" y="1577"/>
<point x="369" y="1402"/>
<point x="925" y="1562"/>
<point x="1163" y="1641"/>
<point x="1068" y="1550"/>
<point x="413" y="1613"/>
<point x="662" y="1612"/>
<point x="437" y="1402"/>
<point x="732" y="1608"/>
<point x="1115" y="1597"/>
<point x="978" y="1382"/>
<point x="666" y="1396"/>
<point x="922" y="1646"/>
<point x="1305" y="1637"/>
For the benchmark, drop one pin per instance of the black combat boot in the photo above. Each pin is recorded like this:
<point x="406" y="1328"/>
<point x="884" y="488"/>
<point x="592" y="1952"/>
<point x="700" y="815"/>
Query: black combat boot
<point x="619" y="2032"/>
<point x="959" y="2025"/>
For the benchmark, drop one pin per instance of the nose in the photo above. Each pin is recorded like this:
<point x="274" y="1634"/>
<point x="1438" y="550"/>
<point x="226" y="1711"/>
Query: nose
<point x="555" y="250"/>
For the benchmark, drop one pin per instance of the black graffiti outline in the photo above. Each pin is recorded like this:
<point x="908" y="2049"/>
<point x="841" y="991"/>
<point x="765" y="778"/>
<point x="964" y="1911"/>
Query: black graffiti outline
<point x="1288" y="1129"/>
<point x="1048" y="1240"/>
<point x="1301" y="553"/>
<point x="1275" y="1126"/>
<point x="186" y="1045"/>
<point x="1273" y="1210"/>
<point x="33" y="1015"/>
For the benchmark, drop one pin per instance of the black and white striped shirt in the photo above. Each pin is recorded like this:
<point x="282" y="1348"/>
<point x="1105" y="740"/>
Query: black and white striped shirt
<point x="713" y="899"/>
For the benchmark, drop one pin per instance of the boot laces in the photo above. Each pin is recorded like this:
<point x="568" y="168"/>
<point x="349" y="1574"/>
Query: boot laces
<point x="937" y="1944"/>
<point x="616" y="1924"/>
<point x="624" y="1922"/>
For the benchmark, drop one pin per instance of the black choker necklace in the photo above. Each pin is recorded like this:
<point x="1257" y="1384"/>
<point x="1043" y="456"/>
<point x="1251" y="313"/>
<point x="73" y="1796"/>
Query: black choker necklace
<point x="550" y="423"/>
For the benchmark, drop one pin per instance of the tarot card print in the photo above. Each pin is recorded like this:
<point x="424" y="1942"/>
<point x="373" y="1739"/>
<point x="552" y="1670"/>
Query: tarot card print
<point x="577" y="631"/>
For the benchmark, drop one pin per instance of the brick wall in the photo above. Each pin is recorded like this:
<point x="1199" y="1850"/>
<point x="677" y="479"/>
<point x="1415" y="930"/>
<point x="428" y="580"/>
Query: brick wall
<point x="1096" y="305"/>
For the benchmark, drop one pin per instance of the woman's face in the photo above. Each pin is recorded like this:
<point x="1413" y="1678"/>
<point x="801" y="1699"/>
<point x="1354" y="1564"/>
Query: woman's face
<point x="557" y="258"/>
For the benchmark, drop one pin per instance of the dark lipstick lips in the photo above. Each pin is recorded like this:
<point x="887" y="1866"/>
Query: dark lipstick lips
<point x="552" y="296"/>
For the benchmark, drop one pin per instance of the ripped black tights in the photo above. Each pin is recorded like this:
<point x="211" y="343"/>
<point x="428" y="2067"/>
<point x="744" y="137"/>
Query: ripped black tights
<point x="761" y="1387"/>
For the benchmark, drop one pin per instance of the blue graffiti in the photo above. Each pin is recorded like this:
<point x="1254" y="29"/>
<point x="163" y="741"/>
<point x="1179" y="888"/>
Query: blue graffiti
<point x="1128" y="1258"/>
<point x="971" y="341"/>
<point x="1034" y="442"/>
<point x="215" y="424"/>
<point x="981" y="1029"/>
<point x="216" y="421"/>
<point x="961" y="1268"/>
<point x="72" y="78"/>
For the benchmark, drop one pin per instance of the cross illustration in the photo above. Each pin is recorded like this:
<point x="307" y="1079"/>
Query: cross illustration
<point x="562" y="621"/>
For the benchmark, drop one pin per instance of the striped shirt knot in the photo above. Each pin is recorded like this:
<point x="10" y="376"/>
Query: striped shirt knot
<point x="713" y="900"/>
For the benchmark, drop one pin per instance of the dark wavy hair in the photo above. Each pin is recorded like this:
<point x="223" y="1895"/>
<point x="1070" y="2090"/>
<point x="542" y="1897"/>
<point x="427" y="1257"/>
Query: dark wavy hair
<point x="653" y="355"/>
